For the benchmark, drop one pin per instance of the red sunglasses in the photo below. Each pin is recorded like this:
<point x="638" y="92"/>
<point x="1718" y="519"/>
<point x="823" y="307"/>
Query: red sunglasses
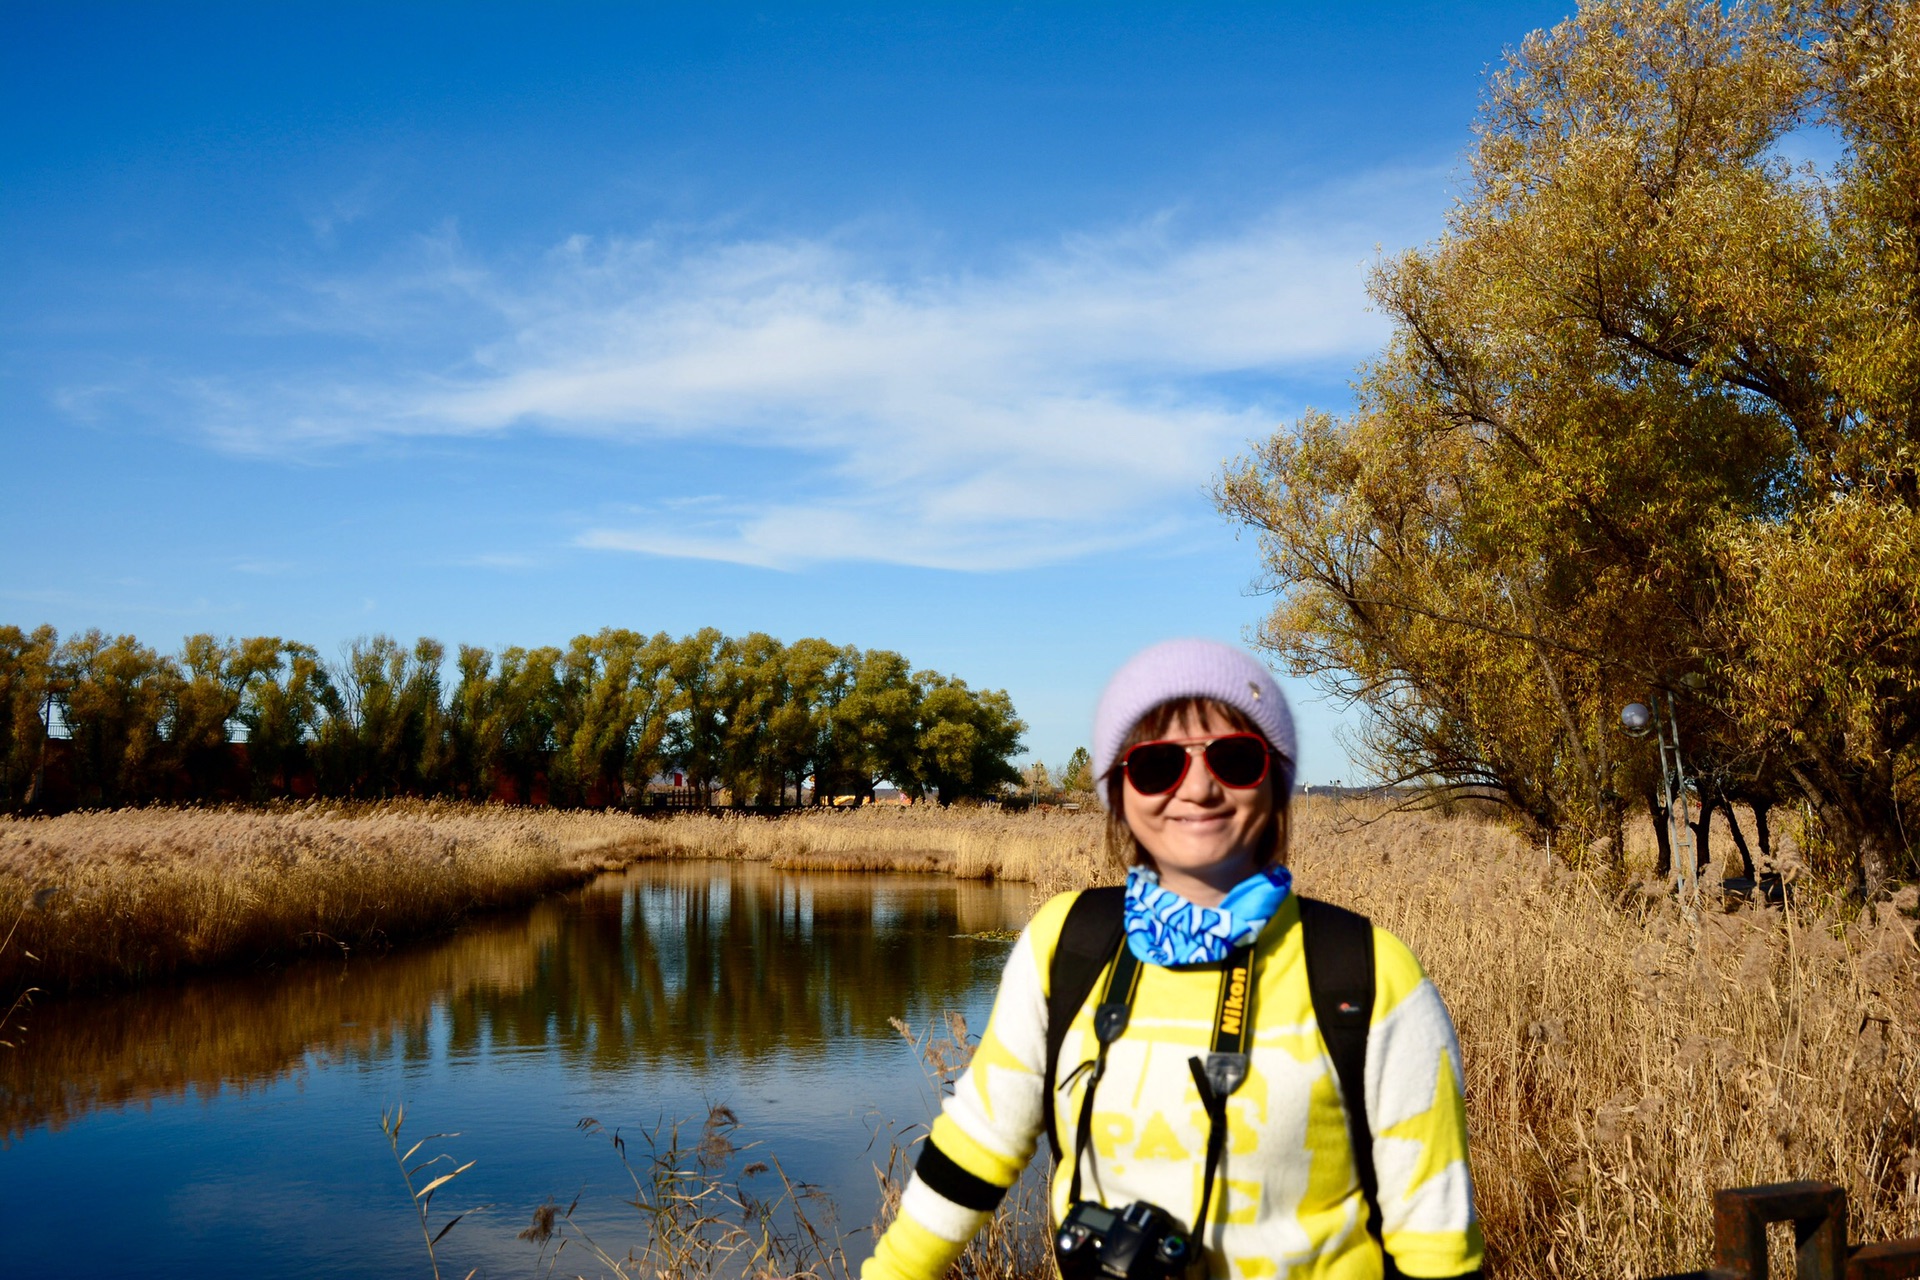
<point x="1236" y="760"/>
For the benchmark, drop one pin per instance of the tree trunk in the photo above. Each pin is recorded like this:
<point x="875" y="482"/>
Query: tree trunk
<point x="1616" y="834"/>
<point x="1859" y="812"/>
<point x="1702" y="832"/>
<point x="1739" y="840"/>
<point x="1596" y="784"/>
<point x="1661" y="834"/>
<point x="1879" y="854"/>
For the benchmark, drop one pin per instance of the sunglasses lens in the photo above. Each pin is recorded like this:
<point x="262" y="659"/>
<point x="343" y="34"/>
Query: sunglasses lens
<point x="1238" y="762"/>
<point x="1156" y="767"/>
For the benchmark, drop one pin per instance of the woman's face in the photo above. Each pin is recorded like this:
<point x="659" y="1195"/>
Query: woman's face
<point x="1204" y="838"/>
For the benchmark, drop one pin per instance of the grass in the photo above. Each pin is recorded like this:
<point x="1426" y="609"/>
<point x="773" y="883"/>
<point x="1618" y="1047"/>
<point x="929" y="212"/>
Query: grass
<point x="1015" y="1243"/>
<point x="113" y="898"/>
<point x="125" y="896"/>
<point x="1052" y="850"/>
<point x="437" y="1177"/>
<point x="700" y="1214"/>
<point x="1624" y="1057"/>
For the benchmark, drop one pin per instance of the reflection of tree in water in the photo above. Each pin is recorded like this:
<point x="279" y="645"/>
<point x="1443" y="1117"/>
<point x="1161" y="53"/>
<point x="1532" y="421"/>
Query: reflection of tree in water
<point x="678" y="965"/>
<point x="675" y="963"/>
<point x="240" y="1031"/>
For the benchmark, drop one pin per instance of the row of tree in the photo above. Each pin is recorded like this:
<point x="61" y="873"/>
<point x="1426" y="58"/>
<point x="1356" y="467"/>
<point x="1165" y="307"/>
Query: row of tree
<point x="1648" y="424"/>
<point x="1072" y="781"/>
<point x="592" y="723"/>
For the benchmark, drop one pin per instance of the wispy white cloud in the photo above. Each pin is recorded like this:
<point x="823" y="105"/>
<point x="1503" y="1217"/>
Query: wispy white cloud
<point x="1068" y="400"/>
<point x="341" y="209"/>
<point x="505" y="561"/>
<point x="124" y="596"/>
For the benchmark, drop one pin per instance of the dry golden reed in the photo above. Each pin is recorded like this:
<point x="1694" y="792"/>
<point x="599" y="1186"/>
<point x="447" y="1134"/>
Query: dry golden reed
<point x="129" y="895"/>
<point x="709" y="1210"/>
<point x="1052" y="849"/>
<point x="1625" y="1058"/>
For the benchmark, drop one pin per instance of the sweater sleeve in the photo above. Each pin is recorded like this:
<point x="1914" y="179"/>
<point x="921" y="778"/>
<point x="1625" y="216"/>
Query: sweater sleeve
<point x="1418" y="1116"/>
<point x="987" y="1129"/>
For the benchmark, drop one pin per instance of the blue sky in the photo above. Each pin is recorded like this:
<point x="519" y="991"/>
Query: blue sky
<point x="921" y="328"/>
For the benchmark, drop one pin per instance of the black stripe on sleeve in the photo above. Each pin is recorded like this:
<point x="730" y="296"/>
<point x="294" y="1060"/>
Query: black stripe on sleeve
<point x="970" y="1191"/>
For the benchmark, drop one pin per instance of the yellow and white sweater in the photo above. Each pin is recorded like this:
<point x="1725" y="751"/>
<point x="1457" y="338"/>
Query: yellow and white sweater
<point x="1287" y="1203"/>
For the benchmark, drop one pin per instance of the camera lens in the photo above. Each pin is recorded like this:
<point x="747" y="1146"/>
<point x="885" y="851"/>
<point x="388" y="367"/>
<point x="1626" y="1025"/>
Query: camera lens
<point x="1173" y="1248"/>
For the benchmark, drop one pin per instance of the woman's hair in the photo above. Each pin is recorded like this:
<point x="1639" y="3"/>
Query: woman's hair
<point x="1122" y="849"/>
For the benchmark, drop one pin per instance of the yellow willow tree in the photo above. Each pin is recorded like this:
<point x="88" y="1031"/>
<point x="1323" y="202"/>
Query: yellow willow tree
<point x="1625" y="391"/>
<point x="27" y="685"/>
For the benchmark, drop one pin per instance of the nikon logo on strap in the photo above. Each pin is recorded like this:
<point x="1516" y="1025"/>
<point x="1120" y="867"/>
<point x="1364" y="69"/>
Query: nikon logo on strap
<point x="1233" y="1006"/>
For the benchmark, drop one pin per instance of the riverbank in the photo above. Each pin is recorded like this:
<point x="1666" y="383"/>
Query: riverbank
<point x="1053" y="850"/>
<point x="128" y="896"/>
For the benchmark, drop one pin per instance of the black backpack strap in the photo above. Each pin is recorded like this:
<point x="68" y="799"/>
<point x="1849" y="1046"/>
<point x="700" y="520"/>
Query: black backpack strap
<point x="1339" y="950"/>
<point x="1089" y="938"/>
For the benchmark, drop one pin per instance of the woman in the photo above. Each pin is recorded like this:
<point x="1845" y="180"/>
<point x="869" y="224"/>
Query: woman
<point x="1194" y="755"/>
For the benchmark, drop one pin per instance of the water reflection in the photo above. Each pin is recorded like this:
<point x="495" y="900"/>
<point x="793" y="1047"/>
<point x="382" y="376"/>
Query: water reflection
<point x="665" y="964"/>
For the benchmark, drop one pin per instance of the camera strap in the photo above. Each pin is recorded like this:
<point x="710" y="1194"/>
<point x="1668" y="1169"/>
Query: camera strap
<point x="1109" y="1020"/>
<point x="1216" y="1077"/>
<point x="1224" y="1069"/>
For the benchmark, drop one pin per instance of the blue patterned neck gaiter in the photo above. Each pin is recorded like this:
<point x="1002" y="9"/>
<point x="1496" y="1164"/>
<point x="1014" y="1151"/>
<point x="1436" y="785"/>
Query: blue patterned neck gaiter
<point x="1163" y="928"/>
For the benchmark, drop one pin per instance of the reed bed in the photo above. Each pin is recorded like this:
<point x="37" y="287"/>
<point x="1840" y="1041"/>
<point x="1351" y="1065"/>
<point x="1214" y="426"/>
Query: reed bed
<point x="110" y="898"/>
<point x="1052" y="849"/>
<point x="1625" y="1056"/>
<point x="125" y="896"/>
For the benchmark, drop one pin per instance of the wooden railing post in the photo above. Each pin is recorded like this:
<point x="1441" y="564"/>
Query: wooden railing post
<point x="1818" y="1211"/>
<point x="1894" y="1260"/>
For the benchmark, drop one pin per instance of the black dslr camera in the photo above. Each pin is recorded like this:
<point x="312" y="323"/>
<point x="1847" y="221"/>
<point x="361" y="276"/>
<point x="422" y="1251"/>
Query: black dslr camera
<point x="1139" y="1242"/>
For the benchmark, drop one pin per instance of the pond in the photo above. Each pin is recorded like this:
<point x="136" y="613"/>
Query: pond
<point x="232" y="1126"/>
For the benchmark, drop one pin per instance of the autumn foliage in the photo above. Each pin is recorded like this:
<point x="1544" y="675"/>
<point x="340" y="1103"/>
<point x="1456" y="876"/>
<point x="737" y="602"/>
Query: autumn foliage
<point x="592" y="724"/>
<point x="1649" y="424"/>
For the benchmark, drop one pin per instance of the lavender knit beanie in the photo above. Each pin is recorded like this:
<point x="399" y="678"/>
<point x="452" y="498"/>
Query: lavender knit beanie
<point x="1192" y="669"/>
